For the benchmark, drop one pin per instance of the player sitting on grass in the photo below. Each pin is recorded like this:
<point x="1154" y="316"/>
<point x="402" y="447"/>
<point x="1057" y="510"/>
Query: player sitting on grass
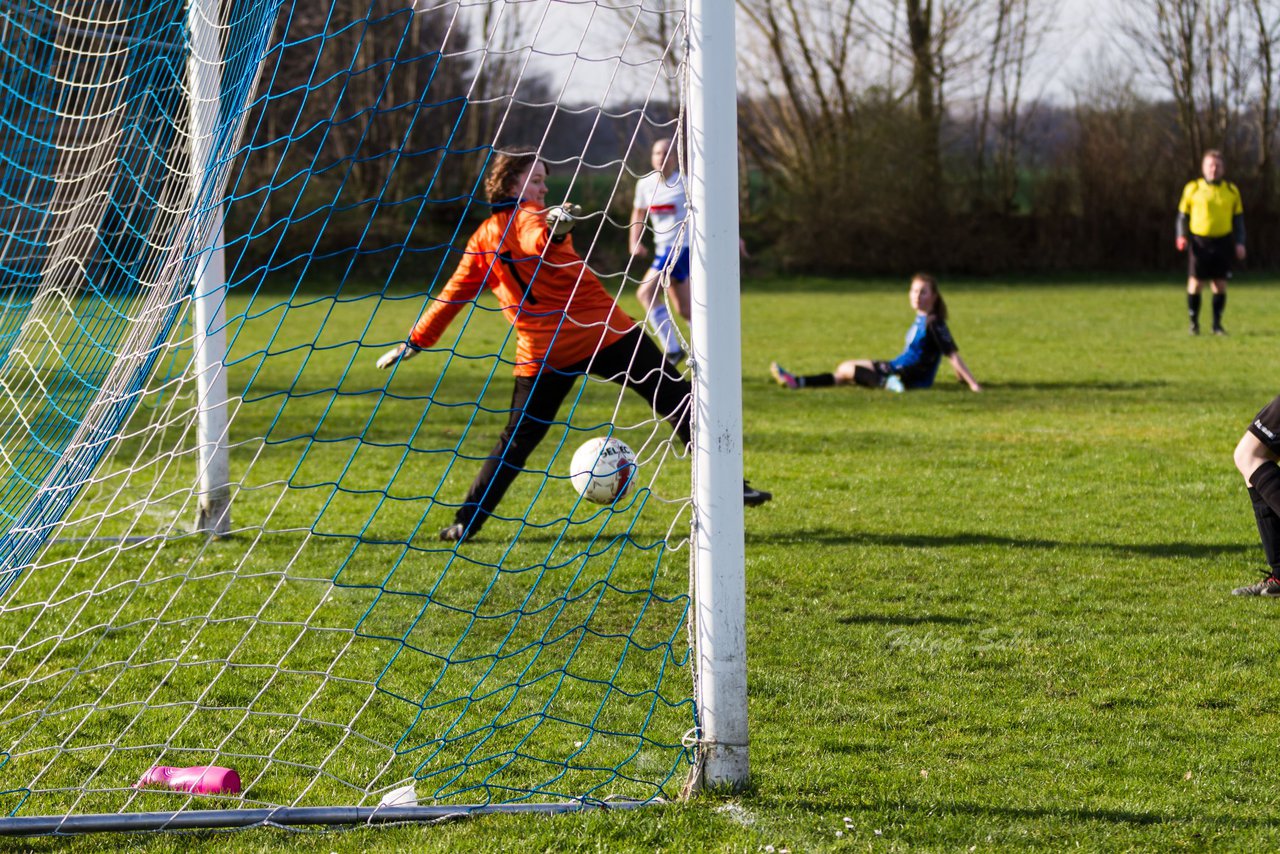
<point x="928" y="340"/>
<point x="566" y="325"/>
<point x="1255" y="458"/>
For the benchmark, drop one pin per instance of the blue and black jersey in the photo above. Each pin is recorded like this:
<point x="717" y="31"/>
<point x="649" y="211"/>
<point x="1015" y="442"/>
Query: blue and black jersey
<point x="928" y="340"/>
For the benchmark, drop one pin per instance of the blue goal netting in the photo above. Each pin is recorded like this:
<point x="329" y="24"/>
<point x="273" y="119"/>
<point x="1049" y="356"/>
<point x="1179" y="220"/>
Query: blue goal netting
<point x="327" y="644"/>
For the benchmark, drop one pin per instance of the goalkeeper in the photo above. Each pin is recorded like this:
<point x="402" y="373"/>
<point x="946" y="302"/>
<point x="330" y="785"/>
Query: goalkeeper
<point x="566" y="325"/>
<point x="1211" y="224"/>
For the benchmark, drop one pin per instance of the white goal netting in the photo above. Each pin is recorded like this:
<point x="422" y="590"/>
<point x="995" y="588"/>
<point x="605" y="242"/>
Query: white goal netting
<point x="331" y="648"/>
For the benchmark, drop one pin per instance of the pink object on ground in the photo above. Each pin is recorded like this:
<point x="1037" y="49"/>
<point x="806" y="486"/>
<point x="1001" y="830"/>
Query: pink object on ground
<point x="198" y="779"/>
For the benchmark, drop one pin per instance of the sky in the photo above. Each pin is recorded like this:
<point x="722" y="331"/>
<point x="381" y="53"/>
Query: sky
<point x="1080" y="39"/>
<point x="578" y="43"/>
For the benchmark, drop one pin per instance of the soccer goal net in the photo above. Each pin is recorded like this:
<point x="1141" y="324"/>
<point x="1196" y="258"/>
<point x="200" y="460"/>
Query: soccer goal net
<point x="220" y="525"/>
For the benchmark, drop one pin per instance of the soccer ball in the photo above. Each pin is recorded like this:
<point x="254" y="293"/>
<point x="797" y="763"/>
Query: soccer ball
<point x="602" y="469"/>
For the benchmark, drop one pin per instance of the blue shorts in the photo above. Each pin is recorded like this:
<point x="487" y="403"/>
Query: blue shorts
<point x="677" y="269"/>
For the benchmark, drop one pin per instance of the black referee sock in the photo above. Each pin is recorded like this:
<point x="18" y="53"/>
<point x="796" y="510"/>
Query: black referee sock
<point x="1268" y="530"/>
<point x="816" y="380"/>
<point x="1219" y="303"/>
<point x="1266" y="480"/>
<point x="1193" y="307"/>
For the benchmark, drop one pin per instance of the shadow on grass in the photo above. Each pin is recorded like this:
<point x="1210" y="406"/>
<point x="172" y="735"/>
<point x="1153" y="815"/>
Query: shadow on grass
<point x="1078" y="385"/>
<point x="903" y="620"/>
<point x="1073" y="814"/>
<point x="943" y="541"/>
<point x="933" y="809"/>
<point x="1113" y="816"/>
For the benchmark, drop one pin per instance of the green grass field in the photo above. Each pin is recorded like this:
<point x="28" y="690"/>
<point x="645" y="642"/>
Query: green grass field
<point x="976" y="622"/>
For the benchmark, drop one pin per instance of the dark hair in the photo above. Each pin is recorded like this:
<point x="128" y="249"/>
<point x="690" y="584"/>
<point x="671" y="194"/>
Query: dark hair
<point x="939" y="304"/>
<point x="676" y="150"/>
<point x="505" y="167"/>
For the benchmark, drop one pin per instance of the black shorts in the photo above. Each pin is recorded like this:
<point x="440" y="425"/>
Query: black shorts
<point x="1266" y="425"/>
<point x="916" y="376"/>
<point x="1211" y="257"/>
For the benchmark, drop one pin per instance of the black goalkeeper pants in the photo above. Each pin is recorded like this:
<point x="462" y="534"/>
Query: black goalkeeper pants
<point x="633" y="362"/>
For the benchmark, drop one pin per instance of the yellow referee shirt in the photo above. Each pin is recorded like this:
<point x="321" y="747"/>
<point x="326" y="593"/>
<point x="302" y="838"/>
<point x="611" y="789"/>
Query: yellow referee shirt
<point x="1210" y="207"/>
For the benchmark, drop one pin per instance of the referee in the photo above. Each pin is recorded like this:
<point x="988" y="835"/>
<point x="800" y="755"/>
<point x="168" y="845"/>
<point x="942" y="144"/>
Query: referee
<point x="1211" y="222"/>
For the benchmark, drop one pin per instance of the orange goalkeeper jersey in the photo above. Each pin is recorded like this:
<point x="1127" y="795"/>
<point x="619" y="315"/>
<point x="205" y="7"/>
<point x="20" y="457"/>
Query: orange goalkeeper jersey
<point x="560" y="311"/>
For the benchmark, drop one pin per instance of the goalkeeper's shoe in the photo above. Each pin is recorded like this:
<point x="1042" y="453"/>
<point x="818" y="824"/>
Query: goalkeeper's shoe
<point x="1268" y="586"/>
<point x="752" y="497"/>
<point x="456" y="533"/>
<point x="783" y="376"/>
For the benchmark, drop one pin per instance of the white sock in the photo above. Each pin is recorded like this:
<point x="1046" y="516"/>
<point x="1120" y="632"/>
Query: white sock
<point x="660" y="322"/>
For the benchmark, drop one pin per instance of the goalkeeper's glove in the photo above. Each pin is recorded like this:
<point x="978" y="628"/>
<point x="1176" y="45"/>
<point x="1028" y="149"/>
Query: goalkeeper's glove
<point x="398" y="353"/>
<point x="562" y="218"/>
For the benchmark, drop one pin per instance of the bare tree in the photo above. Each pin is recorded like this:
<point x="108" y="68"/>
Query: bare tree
<point x="1265" y="20"/>
<point x="1016" y="30"/>
<point x="659" y="27"/>
<point x="837" y="148"/>
<point x="926" y="79"/>
<point x="805" y="107"/>
<point x="937" y="40"/>
<point x="828" y="103"/>
<point x="808" y="61"/>
<point x="1196" y="50"/>
<point x="361" y="85"/>
<point x="1125" y="169"/>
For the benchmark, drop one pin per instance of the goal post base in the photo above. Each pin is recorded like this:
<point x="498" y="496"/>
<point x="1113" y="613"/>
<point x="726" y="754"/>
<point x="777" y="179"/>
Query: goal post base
<point x="213" y="516"/>
<point x="721" y="768"/>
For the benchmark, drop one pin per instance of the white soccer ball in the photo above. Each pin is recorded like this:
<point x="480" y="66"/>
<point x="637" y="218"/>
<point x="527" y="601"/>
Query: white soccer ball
<point x="603" y="469"/>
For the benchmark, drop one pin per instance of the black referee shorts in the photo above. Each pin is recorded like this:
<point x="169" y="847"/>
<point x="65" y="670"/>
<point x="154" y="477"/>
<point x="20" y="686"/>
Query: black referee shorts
<point x="1266" y="426"/>
<point x="1211" y="257"/>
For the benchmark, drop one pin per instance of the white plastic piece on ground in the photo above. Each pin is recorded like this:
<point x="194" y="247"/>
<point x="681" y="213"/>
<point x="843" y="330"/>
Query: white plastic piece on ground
<point x="405" y="796"/>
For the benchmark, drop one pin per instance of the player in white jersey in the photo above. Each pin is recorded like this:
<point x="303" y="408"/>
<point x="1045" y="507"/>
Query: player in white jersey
<point x="660" y="199"/>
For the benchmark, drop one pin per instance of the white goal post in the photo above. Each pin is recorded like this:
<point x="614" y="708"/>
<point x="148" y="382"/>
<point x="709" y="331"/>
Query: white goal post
<point x="719" y="548"/>
<point x="240" y="565"/>
<point x="204" y="71"/>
